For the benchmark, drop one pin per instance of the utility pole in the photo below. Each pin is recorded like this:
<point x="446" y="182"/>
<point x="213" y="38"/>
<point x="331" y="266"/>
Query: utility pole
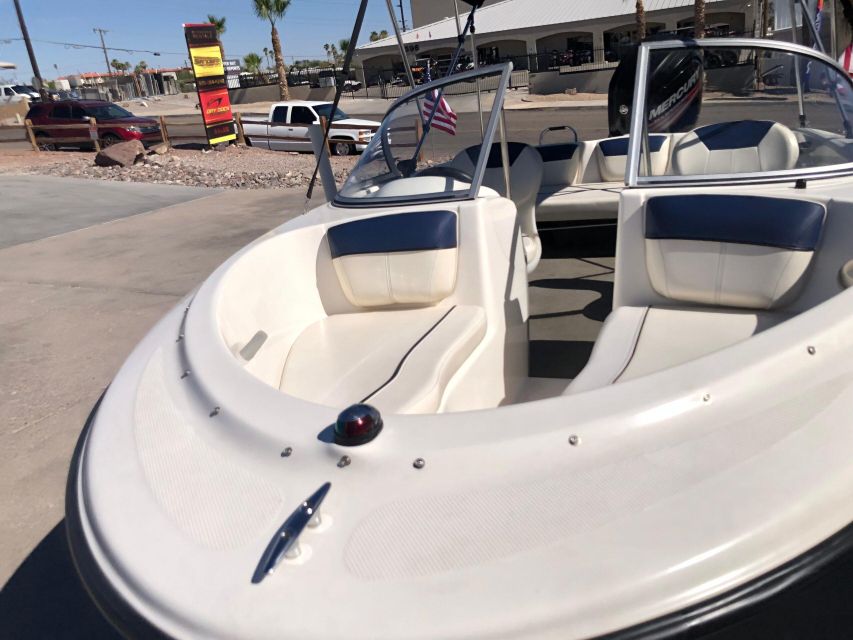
<point x="402" y="16"/>
<point x="30" y="52"/>
<point x="101" y="32"/>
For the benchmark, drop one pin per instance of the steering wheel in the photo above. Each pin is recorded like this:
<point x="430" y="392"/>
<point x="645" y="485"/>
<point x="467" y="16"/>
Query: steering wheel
<point x="445" y="171"/>
<point x="389" y="157"/>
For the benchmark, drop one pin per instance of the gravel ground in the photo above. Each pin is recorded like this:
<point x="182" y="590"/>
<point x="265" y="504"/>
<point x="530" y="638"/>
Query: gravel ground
<point x="233" y="168"/>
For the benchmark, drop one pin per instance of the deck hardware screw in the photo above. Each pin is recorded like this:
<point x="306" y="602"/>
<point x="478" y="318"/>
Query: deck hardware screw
<point x="215" y="412"/>
<point x="574" y="440"/>
<point x="286" y="452"/>
<point x="811" y="350"/>
<point x="185" y="374"/>
<point x="180" y="337"/>
<point x="344" y="461"/>
<point x="419" y="463"/>
<point x="706" y="397"/>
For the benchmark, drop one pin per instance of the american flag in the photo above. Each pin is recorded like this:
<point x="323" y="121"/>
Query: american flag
<point x="445" y="117"/>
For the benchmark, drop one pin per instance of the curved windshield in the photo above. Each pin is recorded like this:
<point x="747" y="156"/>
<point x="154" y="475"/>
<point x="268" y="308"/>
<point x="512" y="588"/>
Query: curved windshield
<point x="429" y="145"/>
<point x="325" y="110"/>
<point x="108" y="112"/>
<point x="728" y="111"/>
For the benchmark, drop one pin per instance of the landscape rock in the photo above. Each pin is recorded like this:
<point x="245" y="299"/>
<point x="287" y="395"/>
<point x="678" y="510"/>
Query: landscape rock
<point x="120" y="154"/>
<point x="159" y="149"/>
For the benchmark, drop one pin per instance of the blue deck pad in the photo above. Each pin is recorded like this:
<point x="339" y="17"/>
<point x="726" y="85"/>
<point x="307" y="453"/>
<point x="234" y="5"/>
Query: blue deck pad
<point x="771" y="222"/>
<point x="414" y="231"/>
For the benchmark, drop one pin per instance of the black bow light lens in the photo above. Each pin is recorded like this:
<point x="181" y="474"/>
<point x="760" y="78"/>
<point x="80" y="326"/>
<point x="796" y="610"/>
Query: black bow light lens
<point x="358" y="424"/>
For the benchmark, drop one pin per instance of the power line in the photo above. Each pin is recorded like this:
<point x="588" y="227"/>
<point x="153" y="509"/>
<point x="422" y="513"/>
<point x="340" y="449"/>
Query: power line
<point x="77" y="45"/>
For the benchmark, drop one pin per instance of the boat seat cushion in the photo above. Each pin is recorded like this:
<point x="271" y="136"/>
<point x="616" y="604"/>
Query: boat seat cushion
<point x="612" y="157"/>
<point x="731" y="250"/>
<point x="407" y="258"/>
<point x="636" y="341"/>
<point x="560" y="163"/>
<point x="591" y="201"/>
<point x="399" y="361"/>
<point x="744" y="146"/>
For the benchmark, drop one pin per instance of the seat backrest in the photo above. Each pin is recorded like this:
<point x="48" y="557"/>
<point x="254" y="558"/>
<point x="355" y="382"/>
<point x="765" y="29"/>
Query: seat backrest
<point x="730" y="250"/>
<point x="744" y="146"/>
<point x="401" y="259"/>
<point x="525" y="178"/>
<point x="560" y="163"/>
<point x="612" y="156"/>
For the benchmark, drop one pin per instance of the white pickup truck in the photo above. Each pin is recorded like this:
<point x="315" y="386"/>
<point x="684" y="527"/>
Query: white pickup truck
<point x="286" y="128"/>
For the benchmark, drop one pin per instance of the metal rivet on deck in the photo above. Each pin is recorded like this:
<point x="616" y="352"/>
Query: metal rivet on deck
<point x="706" y="397"/>
<point x="811" y="350"/>
<point x="574" y="440"/>
<point x="286" y="452"/>
<point x="344" y="461"/>
<point x="215" y="412"/>
<point x="185" y="374"/>
<point x="180" y="337"/>
<point x="419" y="463"/>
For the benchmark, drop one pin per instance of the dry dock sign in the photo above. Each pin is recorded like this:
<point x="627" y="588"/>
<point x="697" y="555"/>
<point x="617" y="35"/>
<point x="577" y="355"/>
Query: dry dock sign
<point x="206" y="57"/>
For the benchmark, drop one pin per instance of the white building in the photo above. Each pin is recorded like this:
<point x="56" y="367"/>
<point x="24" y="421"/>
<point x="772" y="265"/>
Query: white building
<point x="548" y="34"/>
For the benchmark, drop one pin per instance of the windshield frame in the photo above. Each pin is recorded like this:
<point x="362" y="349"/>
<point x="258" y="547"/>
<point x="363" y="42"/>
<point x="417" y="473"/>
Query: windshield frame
<point x="633" y="179"/>
<point x="503" y="71"/>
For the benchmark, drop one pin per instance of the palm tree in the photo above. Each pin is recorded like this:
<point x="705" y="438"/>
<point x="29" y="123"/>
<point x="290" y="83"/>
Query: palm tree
<point x="641" y="20"/>
<point x="374" y="36"/>
<point x="699" y="19"/>
<point x="138" y="70"/>
<point x="267" y="54"/>
<point x="252" y="63"/>
<point x="274" y="10"/>
<point x="219" y="23"/>
<point x="344" y="45"/>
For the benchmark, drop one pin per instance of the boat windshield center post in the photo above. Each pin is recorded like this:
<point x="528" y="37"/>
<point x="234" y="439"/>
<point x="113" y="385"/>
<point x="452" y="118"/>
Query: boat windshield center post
<point x="800" y="100"/>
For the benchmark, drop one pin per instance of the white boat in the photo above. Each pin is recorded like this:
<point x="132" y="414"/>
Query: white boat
<point x="231" y="483"/>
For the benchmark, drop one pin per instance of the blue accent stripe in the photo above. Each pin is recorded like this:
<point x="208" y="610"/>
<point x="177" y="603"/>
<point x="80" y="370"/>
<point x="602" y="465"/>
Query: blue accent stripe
<point x="741" y="134"/>
<point x="495" y="160"/>
<point x="619" y="146"/>
<point x="557" y="152"/>
<point x="413" y="231"/>
<point x="771" y="222"/>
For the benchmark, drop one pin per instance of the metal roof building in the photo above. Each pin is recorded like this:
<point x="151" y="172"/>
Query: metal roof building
<point x="537" y="33"/>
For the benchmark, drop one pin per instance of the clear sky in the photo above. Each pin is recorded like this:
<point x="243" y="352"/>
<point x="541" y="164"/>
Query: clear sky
<point x="156" y="25"/>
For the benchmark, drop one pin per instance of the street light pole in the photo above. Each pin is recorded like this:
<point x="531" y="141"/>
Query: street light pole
<point x="30" y="52"/>
<point x="101" y="33"/>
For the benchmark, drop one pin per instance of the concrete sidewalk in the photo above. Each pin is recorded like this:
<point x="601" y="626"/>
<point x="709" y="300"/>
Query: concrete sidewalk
<point x="75" y="305"/>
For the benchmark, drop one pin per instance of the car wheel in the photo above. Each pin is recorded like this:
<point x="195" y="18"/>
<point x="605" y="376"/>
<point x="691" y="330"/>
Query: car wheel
<point x="43" y="142"/>
<point x="109" y="139"/>
<point x="342" y="148"/>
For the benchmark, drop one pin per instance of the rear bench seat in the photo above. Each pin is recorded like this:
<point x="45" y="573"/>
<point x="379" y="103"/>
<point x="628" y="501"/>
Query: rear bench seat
<point x="729" y="263"/>
<point x="567" y="196"/>
<point x="400" y="353"/>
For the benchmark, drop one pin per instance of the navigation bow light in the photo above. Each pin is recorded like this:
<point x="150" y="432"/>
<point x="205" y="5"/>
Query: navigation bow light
<point x="358" y="424"/>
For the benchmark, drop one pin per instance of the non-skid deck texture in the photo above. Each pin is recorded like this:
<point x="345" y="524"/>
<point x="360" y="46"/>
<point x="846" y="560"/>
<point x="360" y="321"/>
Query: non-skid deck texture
<point x="571" y="293"/>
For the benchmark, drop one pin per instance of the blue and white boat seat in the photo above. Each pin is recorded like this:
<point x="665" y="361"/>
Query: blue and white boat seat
<point x="583" y="181"/>
<point x="743" y="146"/>
<point x="525" y="177"/>
<point x="402" y="350"/>
<point x="583" y="184"/>
<point x="725" y="265"/>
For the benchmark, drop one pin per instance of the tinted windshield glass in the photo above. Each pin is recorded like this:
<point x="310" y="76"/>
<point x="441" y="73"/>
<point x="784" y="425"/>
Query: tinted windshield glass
<point x="323" y="110"/>
<point x="730" y="111"/>
<point x="108" y="112"/>
<point x="19" y="88"/>
<point x="428" y="145"/>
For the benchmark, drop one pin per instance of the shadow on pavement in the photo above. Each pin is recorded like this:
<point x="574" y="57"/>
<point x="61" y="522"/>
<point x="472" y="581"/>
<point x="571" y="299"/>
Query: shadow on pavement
<point x="45" y="598"/>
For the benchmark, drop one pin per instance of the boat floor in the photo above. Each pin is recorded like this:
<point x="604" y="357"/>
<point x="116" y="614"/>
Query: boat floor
<point x="571" y="293"/>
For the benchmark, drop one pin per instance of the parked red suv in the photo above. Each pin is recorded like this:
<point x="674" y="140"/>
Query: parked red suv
<point x="123" y="124"/>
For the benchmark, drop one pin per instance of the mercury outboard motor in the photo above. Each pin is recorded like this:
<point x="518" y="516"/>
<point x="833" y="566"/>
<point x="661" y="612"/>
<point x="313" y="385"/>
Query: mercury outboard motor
<point x="675" y="91"/>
